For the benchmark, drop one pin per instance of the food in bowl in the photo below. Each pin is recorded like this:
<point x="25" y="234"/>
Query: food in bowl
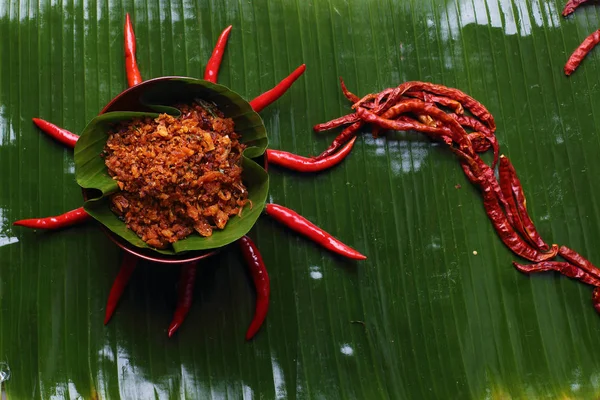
<point x="177" y="174"/>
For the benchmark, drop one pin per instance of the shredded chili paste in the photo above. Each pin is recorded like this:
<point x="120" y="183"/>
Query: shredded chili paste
<point x="177" y="175"/>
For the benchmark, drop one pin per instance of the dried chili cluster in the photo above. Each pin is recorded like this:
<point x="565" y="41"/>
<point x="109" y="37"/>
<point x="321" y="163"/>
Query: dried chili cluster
<point x="452" y="117"/>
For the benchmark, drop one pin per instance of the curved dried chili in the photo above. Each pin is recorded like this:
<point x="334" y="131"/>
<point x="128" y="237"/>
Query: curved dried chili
<point x="571" y="6"/>
<point x="581" y="51"/>
<point x="348" y="94"/>
<point x="525" y="224"/>
<point x="565" y="268"/>
<point x="580" y="261"/>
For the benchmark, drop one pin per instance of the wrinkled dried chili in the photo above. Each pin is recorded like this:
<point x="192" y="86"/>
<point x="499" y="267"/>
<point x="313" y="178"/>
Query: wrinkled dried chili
<point x="528" y="228"/>
<point x="69" y="218"/>
<point x="506" y="232"/>
<point x="581" y="51"/>
<point x="565" y="268"/>
<point x="334" y="123"/>
<point x="298" y="223"/>
<point x="441" y="100"/>
<point x="347" y="134"/>
<point x="511" y="206"/>
<point x="473" y="123"/>
<point x="468" y="102"/>
<point x="262" y="284"/>
<point x="348" y="94"/>
<point x="577" y="259"/>
<point x="571" y="6"/>
<point x="413" y="106"/>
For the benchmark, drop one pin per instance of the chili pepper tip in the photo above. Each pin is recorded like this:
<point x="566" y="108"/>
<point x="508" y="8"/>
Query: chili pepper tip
<point x="268" y="97"/>
<point x="214" y="63"/>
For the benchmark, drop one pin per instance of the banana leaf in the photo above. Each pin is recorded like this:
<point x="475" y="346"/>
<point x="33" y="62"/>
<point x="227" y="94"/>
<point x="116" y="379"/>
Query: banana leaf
<point x="437" y="311"/>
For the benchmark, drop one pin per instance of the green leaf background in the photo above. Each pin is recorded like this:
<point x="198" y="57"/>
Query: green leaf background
<point x="439" y="321"/>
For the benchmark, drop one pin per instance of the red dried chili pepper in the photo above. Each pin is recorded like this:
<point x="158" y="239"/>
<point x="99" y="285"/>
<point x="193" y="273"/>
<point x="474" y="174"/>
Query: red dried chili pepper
<point x="404" y="123"/>
<point x="334" y="123"/>
<point x="476" y="108"/>
<point x="458" y="133"/>
<point x="60" y="134"/>
<point x="298" y="223"/>
<point x="581" y="51"/>
<point x="260" y="276"/>
<point x="305" y="164"/>
<point x="565" y="268"/>
<point x="270" y="96"/>
<point x="187" y="281"/>
<point x="444" y="101"/>
<point x="507" y="234"/>
<point x="511" y="206"/>
<point x="529" y="230"/>
<point x="482" y="175"/>
<point x="575" y="258"/>
<point x="116" y="291"/>
<point x="60" y="221"/>
<point x="349" y="95"/>
<point x="131" y="67"/>
<point x="571" y="6"/>
<point x="473" y="123"/>
<point x="596" y="299"/>
<point x="347" y="134"/>
<point x="479" y="142"/>
<point x="214" y="63"/>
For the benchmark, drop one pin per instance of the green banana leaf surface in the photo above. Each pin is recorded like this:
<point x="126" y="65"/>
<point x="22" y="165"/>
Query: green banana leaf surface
<point x="437" y="311"/>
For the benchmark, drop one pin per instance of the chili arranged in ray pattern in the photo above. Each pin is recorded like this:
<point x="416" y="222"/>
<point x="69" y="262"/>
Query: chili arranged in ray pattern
<point x="249" y="249"/>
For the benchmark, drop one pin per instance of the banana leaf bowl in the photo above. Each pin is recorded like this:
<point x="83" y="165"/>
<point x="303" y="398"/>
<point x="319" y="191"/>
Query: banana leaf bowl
<point x="146" y="99"/>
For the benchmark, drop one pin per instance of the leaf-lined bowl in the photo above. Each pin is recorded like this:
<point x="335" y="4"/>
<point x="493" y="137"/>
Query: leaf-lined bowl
<point x="149" y="99"/>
